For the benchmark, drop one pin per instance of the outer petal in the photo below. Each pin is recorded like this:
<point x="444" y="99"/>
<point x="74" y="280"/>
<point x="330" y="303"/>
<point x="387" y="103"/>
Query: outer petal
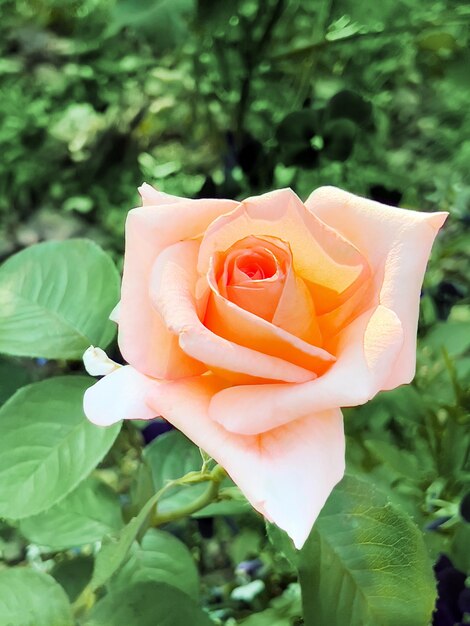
<point x="152" y="197"/>
<point x="397" y="244"/>
<point x="144" y="340"/>
<point x="98" y="363"/>
<point x="286" y="474"/>
<point x="366" y="352"/>
<point x="173" y="285"/>
<point x="119" y="396"/>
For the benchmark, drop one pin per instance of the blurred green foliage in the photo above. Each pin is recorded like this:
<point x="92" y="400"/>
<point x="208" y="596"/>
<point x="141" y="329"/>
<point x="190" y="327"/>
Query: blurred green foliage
<point x="212" y="98"/>
<point x="226" y="99"/>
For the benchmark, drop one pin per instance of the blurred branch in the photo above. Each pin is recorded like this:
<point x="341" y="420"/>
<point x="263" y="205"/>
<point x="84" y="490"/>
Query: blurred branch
<point x="252" y="60"/>
<point x="378" y="33"/>
<point x="319" y="31"/>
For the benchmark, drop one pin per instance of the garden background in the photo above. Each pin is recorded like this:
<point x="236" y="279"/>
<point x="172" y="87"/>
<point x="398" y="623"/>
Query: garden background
<point x="212" y="98"/>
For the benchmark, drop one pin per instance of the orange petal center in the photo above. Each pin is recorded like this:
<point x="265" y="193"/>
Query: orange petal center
<point x="251" y="274"/>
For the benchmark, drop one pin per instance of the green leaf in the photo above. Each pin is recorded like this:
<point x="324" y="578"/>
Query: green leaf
<point x="55" y="300"/>
<point x="47" y="446"/>
<point x="401" y="462"/>
<point x="283" y="544"/>
<point x="147" y="604"/>
<point x="169" y="457"/>
<point x="160" y="557"/>
<point x="29" y="598"/>
<point x="451" y="335"/>
<point x="366" y="562"/>
<point x="371" y="563"/>
<point x="460" y="548"/>
<point x="86" y="515"/>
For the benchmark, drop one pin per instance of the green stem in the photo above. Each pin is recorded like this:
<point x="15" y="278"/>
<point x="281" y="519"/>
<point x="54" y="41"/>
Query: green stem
<point x="307" y="585"/>
<point x="210" y="494"/>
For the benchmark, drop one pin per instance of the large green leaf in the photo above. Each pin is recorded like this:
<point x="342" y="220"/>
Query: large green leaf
<point x="29" y="598"/>
<point x="55" y="300"/>
<point x="365" y="562"/>
<point x="148" y="604"/>
<point x="86" y="515"/>
<point x="370" y="560"/>
<point x="47" y="445"/>
<point x="160" y="557"/>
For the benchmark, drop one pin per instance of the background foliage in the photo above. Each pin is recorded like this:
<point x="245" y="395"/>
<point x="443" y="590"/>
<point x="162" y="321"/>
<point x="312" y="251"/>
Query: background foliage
<point x="204" y="98"/>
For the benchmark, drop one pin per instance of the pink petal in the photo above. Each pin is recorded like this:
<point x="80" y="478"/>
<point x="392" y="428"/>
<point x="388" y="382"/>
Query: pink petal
<point x="366" y="352"/>
<point x="286" y="474"/>
<point x="295" y="311"/>
<point x="397" y="244"/>
<point x="119" y="396"/>
<point x="152" y="197"/>
<point x="173" y="285"/>
<point x="144" y="340"/>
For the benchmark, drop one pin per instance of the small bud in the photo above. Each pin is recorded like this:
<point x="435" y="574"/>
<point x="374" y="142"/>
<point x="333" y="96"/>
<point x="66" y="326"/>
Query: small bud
<point x="97" y="362"/>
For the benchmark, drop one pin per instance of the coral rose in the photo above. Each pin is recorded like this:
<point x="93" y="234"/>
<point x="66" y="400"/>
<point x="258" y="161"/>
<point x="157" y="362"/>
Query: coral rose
<point x="249" y="324"/>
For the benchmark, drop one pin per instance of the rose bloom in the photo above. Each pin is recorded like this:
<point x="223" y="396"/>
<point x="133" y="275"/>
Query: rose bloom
<point x="247" y="325"/>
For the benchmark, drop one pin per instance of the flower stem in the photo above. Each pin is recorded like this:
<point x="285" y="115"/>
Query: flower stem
<point x="208" y="496"/>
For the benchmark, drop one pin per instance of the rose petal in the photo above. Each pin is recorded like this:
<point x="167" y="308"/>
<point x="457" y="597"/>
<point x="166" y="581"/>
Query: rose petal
<point x="260" y="299"/>
<point x="331" y="323"/>
<point x="228" y="320"/>
<point x="320" y="255"/>
<point x="173" y="284"/>
<point x="366" y="352"/>
<point x="144" y="340"/>
<point x="286" y="474"/>
<point x="152" y="197"/>
<point x="259" y="296"/>
<point x="119" y="396"/>
<point x="397" y="244"/>
<point x="295" y="311"/>
<point x="98" y="363"/>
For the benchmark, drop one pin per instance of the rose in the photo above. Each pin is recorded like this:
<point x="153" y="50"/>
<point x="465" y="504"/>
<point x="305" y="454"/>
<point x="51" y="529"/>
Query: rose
<point x="248" y="325"/>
